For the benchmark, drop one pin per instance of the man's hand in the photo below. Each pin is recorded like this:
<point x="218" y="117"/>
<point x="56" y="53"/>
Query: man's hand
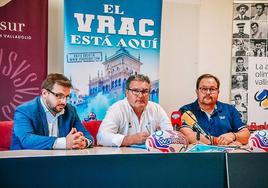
<point x="138" y="138"/>
<point x="75" y="140"/>
<point x="235" y="143"/>
<point x="226" y="139"/>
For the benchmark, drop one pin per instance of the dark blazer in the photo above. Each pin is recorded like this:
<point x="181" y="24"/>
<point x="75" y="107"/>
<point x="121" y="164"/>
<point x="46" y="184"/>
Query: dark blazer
<point x="30" y="130"/>
<point x="245" y="18"/>
<point x="240" y="53"/>
<point x="240" y="35"/>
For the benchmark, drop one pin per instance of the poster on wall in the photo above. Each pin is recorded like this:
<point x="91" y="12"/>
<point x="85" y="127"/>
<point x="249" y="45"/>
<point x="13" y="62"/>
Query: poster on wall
<point x="249" y="93"/>
<point x="23" y="52"/>
<point x="258" y="93"/>
<point x="106" y="42"/>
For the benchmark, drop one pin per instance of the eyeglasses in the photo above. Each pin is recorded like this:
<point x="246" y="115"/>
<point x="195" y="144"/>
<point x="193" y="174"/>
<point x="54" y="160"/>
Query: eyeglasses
<point x="59" y="96"/>
<point x="137" y="92"/>
<point x="204" y="90"/>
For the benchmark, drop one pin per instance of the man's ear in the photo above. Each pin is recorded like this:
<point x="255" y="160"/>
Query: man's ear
<point x="4" y="2"/>
<point x="196" y="92"/>
<point x="126" y="92"/>
<point x="44" y="92"/>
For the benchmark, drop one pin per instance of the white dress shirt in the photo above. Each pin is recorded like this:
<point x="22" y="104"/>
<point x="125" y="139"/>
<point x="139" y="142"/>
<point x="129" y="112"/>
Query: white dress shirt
<point x="53" y="130"/>
<point x="261" y="17"/>
<point x="121" y="121"/>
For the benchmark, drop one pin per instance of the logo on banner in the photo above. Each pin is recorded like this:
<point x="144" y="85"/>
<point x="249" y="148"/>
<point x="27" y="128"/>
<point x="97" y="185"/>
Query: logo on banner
<point x="262" y="97"/>
<point x="19" y="82"/>
<point x="4" y="2"/>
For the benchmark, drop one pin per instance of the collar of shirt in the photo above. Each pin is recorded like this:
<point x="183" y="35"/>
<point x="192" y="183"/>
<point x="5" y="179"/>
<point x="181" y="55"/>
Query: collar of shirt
<point x="217" y="109"/>
<point x="256" y="17"/>
<point x="208" y="114"/>
<point x="134" y="121"/>
<point x="130" y="107"/>
<point x="51" y="119"/>
<point x="48" y="113"/>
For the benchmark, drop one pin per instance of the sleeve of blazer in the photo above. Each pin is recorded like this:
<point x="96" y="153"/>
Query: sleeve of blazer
<point x="30" y="132"/>
<point x="80" y="127"/>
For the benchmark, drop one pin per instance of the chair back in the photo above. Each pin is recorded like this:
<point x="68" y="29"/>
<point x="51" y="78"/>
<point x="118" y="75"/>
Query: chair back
<point x="92" y="127"/>
<point x="5" y="134"/>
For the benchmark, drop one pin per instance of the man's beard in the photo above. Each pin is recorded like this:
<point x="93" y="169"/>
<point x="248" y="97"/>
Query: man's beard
<point x="54" y="109"/>
<point x="207" y="100"/>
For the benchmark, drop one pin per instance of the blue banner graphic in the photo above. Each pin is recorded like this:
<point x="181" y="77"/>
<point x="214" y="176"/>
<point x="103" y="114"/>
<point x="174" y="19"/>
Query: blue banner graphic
<point x="105" y="42"/>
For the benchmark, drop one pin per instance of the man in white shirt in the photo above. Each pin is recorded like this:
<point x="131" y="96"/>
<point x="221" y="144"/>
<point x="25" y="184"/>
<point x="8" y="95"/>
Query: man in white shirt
<point x="131" y="120"/>
<point x="260" y="15"/>
<point x="255" y="31"/>
<point x="239" y="105"/>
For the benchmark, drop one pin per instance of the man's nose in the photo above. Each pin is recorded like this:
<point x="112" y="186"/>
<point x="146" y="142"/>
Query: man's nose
<point x="64" y="100"/>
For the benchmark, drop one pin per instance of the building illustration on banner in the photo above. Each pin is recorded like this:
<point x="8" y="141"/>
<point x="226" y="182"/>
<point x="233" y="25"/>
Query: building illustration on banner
<point x="110" y="86"/>
<point x="104" y="44"/>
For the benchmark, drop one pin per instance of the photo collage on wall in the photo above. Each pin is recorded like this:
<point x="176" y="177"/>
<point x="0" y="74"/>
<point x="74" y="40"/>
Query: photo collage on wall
<point x="249" y="40"/>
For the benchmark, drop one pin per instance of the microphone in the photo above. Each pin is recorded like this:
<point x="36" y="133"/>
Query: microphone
<point x="189" y="118"/>
<point x="176" y="120"/>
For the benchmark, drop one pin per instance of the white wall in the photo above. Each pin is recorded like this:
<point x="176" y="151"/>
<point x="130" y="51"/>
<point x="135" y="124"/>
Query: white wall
<point x="195" y="39"/>
<point x="179" y="54"/>
<point x="55" y="36"/>
<point x="215" y="38"/>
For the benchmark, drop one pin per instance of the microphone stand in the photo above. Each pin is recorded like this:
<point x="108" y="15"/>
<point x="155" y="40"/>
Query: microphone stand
<point x="198" y="136"/>
<point x="175" y="128"/>
<point x="198" y="131"/>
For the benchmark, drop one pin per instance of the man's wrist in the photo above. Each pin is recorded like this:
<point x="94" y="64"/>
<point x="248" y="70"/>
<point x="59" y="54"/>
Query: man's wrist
<point x="234" y="139"/>
<point x="213" y="140"/>
<point x="88" y="143"/>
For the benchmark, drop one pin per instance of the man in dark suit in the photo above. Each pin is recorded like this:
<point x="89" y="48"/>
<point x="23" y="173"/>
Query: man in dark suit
<point x="240" y="65"/>
<point x="240" y="48"/>
<point x="258" y="51"/>
<point x="48" y="122"/>
<point x="242" y="9"/>
<point x="240" y="33"/>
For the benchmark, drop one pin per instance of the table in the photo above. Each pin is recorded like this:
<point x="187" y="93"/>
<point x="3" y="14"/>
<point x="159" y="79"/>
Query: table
<point x="111" y="167"/>
<point x="247" y="170"/>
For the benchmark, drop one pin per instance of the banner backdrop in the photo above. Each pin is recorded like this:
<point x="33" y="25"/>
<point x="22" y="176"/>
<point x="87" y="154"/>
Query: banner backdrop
<point x="23" y="52"/>
<point x="250" y="62"/>
<point x="258" y="93"/>
<point x="105" y="42"/>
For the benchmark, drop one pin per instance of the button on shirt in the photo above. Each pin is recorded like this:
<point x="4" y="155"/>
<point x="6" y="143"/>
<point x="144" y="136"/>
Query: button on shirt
<point x="225" y="118"/>
<point x="121" y="121"/>
<point x="53" y="130"/>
